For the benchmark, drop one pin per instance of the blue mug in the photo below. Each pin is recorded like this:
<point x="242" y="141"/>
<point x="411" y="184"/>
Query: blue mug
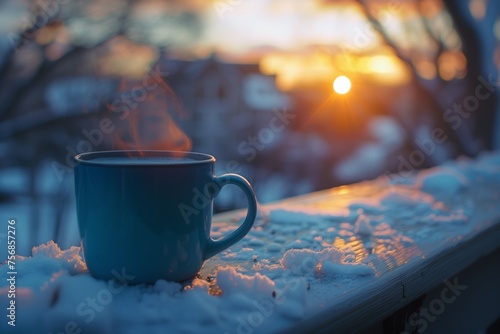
<point x="146" y="215"/>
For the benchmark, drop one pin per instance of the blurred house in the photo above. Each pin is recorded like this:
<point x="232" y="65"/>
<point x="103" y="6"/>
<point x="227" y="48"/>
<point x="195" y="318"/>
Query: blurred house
<point x="224" y="103"/>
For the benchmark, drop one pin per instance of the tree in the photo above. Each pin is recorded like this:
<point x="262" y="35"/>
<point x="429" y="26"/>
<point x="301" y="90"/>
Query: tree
<point x="475" y="41"/>
<point x="56" y="47"/>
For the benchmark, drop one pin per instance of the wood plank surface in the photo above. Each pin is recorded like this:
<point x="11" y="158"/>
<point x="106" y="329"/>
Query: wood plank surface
<point x="403" y="273"/>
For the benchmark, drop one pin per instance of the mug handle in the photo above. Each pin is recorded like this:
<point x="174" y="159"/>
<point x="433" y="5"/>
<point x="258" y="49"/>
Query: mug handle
<point x="217" y="246"/>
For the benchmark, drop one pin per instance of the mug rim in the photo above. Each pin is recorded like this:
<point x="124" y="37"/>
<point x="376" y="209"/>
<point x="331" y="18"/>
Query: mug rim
<point x="197" y="158"/>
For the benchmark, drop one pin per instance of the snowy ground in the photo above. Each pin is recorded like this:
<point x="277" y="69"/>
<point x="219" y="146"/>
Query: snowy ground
<point x="299" y="259"/>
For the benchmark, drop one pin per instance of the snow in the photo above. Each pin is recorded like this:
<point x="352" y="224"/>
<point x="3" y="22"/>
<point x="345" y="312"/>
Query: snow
<point x="388" y="138"/>
<point x="330" y="261"/>
<point x="299" y="258"/>
<point x="442" y="182"/>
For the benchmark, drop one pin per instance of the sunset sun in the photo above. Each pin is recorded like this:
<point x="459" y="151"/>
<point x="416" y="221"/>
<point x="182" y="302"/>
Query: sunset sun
<point x="342" y="85"/>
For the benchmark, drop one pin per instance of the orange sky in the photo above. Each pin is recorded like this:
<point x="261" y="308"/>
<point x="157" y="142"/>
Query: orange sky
<point x="299" y="39"/>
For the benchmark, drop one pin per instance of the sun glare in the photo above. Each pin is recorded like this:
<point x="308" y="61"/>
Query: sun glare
<point x="342" y="85"/>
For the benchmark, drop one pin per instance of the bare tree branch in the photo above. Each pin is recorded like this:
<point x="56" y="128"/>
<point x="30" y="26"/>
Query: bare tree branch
<point x="430" y="32"/>
<point x="21" y="40"/>
<point x="10" y="106"/>
<point x="467" y="146"/>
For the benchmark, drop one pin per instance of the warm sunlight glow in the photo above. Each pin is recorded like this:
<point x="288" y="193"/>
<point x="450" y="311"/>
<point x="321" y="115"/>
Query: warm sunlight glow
<point x="425" y="68"/>
<point x="386" y="69"/>
<point x="381" y="64"/>
<point x="383" y="67"/>
<point x="294" y="71"/>
<point x="342" y="85"/>
<point x="478" y="9"/>
<point x="452" y="65"/>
